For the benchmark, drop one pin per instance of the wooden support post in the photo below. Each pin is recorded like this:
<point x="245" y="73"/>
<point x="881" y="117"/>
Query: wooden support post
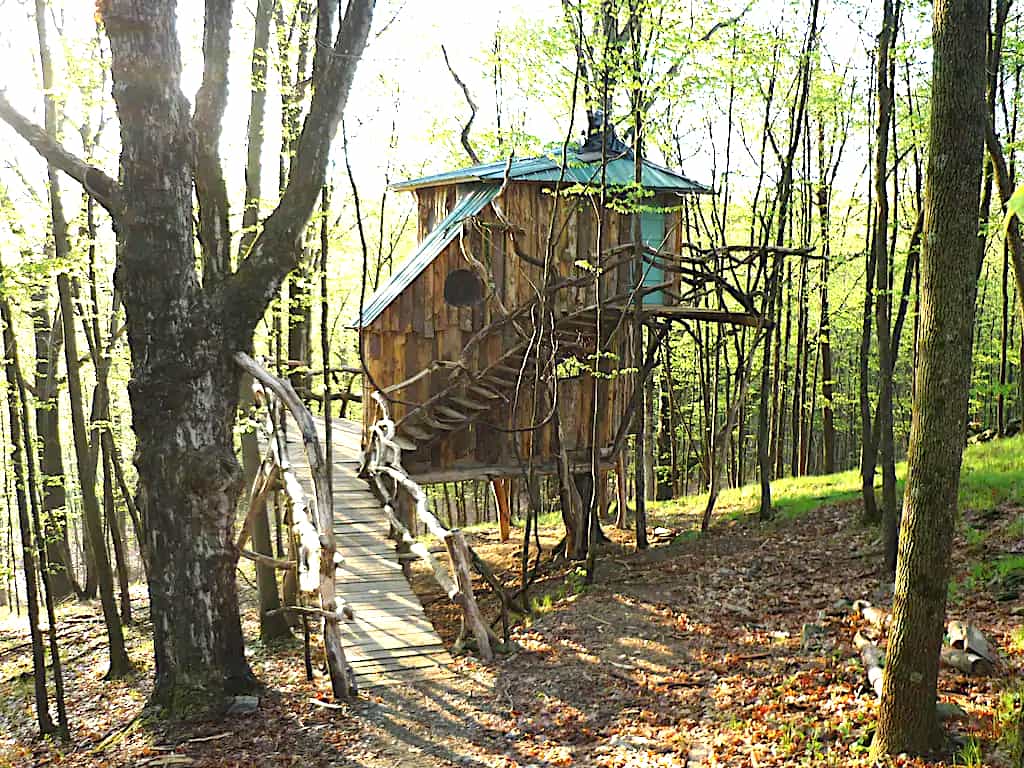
<point x="602" y="494"/>
<point x="405" y="514"/>
<point x="500" y="487"/>
<point x="621" y="518"/>
<point x="458" y="551"/>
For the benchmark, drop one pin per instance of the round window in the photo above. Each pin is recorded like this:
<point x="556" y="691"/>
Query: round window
<point x="462" y="288"/>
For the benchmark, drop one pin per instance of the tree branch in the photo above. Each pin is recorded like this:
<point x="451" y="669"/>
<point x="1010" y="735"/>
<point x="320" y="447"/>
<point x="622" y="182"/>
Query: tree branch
<point x="103" y="189"/>
<point x="466" y="145"/>
<point x="273" y="254"/>
<point x="677" y="65"/>
<point x="211" y="99"/>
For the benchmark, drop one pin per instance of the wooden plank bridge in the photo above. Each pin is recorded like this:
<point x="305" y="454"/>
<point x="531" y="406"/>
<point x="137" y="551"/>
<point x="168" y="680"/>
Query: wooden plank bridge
<point x="390" y="641"/>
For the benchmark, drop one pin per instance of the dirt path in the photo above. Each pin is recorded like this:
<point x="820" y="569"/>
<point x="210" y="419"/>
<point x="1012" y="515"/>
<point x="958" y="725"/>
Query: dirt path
<point x="730" y="649"/>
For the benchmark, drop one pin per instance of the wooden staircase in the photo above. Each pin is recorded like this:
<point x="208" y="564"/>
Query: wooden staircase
<point x="471" y="395"/>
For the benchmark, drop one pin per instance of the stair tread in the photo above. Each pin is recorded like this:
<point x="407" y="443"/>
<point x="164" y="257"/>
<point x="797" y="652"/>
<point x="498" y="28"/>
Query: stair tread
<point x="446" y="412"/>
<point x="468" y="403"/>
<point x="414" y="432"/>
<point x="428" y="418"/>
<point x="482" y="391"/>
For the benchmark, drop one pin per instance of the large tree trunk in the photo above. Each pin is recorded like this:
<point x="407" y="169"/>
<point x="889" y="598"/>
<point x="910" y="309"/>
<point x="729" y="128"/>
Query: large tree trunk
<point x="184" y="386"/>
<point x="184" y="389"/>
<point x="950" y="259"/>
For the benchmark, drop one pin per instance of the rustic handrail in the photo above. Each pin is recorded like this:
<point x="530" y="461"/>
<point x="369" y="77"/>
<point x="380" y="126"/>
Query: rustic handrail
<point x="318" y="554"/>
<point x="382" y="462"/>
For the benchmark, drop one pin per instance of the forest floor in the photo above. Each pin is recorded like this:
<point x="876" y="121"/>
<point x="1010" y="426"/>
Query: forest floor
<point x="732" y="648"/>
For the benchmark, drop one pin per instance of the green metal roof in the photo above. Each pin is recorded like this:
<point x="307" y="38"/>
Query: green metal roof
<point x="620" y="172"/>
<point x="469" y="205"/>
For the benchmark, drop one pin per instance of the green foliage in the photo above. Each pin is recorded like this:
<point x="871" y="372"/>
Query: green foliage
<point x="969" y="755"/>
<point x="1016" y="644"/>
<point x="1014" y="207"/>
<point x="975" y="537"/>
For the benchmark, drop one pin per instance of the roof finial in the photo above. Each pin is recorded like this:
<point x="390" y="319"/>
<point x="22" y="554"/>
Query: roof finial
<point x="597" y="135"/>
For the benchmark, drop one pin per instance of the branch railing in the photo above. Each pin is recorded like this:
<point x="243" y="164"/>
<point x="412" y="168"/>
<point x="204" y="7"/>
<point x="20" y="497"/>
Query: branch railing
<point x="317" y="557"/>
<point x="382" y="464"/>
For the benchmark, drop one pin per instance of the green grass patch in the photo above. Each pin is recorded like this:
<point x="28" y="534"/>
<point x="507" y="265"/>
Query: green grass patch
<point x="992" y="474"/>
<point x="1009" y="564"/>
<point x="791" y="497"/>
<point x="574" y="584"/>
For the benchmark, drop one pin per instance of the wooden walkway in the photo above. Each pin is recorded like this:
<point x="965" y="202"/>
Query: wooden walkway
<point x="390" y="641"/>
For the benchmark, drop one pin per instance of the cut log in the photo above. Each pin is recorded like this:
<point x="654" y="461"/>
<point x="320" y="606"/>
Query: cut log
<point x="416" y="433"/>
<point x="967" y="637"/>
<point x="469" y="405"/>
<point x="873" y="660"/>
<point x="876" y="617"/>
<point x="481" y="391"/>
<point x="434" y="423"/>
<point x="966" y="662"/>
<point x="449" y="414"/>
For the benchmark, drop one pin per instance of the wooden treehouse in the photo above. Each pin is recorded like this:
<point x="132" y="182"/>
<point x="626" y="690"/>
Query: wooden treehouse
<point x="516" y="270"/>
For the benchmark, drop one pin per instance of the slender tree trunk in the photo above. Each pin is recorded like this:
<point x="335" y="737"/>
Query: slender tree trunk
<point x="51" y="460"/>
<point x="119" y="662"/>
<point x="951" y="257"/>
<point x="48" y="347"/>
<point x="116" y="535"/>
<point x="44" y="565"/>
<point x="828" y="428"/>
<point x="883" y="287"/>
<point x="799" y="371"/>
<point x="22" y="489"/>
<point x="785" y="194"/>
<point x="782" y="374"/>
<point x="1004" y="326"/>
<point x="764" y="459"/>
<point x="639" y="448"/>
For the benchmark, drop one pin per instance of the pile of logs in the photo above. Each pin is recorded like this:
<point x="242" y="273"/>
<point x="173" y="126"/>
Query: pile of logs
<point x="966" y="650"/>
